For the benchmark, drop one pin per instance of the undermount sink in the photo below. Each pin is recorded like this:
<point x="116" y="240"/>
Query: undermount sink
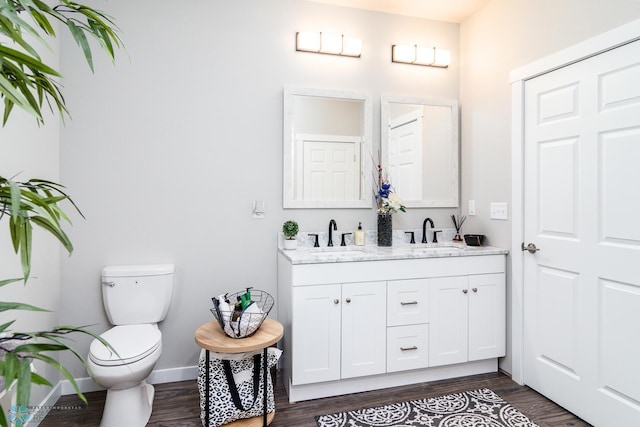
<point x="340" y="250"/>
<point x="435" y="249"/>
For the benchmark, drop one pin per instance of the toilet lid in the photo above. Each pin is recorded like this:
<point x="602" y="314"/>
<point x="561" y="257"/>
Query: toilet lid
<point x="131" y="342"/>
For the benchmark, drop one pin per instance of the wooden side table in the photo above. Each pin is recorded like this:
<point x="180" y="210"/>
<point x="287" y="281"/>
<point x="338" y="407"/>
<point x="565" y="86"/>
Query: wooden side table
<point x="212" y="338"/>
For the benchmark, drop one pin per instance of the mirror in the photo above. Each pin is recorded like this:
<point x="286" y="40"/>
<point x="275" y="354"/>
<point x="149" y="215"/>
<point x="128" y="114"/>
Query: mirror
<point x="326" y="151"/>
<point x="419" y="150"/>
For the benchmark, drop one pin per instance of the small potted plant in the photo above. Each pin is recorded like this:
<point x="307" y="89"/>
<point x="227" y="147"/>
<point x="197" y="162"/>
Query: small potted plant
<point x="290" y="230"/>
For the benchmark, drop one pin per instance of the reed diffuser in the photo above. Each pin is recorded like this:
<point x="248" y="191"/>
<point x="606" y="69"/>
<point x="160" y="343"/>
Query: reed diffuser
<point x="457" y="223"/>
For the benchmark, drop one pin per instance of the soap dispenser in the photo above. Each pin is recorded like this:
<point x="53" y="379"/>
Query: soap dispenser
<point x="358" y="236"/>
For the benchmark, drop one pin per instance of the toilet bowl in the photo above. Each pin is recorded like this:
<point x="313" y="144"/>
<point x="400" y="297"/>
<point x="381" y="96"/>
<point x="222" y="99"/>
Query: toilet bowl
<point x="135" y="299"/>
<point x="129" y="398"/>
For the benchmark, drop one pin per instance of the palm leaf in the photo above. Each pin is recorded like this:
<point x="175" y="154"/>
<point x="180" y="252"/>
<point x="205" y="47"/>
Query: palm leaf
<point x="6" y="306"/>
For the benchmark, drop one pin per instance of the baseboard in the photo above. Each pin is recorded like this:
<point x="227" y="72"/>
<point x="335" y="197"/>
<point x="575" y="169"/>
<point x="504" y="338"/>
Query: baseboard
<point x="37" y="413"/>
<point x="159" y="376"/>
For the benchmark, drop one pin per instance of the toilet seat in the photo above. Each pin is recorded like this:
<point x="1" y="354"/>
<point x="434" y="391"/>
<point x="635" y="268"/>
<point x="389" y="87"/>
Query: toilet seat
<point x="132" y="342"/>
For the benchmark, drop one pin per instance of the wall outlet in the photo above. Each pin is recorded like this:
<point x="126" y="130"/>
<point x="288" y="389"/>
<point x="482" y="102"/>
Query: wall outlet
<point x="472" y="208"/>
<point x="499" y="211"/>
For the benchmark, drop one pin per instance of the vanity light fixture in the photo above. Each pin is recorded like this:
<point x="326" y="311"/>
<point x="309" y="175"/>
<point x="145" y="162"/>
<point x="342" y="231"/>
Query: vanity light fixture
<point x="332" y="44"/>
<point x="414" y="54"/>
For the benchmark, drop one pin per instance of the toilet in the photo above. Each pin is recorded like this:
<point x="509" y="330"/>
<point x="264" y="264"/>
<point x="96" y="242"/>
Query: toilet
<point x="135" y="298"/>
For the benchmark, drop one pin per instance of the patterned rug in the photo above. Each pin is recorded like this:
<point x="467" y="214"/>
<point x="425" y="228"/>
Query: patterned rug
<point x="476" y="408"/>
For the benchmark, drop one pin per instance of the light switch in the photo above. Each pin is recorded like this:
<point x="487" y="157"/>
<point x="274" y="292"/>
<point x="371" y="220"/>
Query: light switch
<point x="258" y="209"/>
<point x="499" y="211"/>
<point x="472" y="207"/>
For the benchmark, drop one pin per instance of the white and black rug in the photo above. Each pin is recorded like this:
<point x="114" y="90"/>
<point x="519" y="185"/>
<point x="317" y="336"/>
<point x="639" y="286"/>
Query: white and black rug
<point x="476" y="408"/>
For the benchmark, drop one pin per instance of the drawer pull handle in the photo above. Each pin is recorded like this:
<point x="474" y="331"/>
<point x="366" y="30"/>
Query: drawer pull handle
<point x="413" y="347"/>
<point x="408" y="302"/>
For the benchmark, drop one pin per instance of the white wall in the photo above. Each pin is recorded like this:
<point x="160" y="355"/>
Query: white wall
<point x="503" y="36"/>
<point x="168" y="149"/>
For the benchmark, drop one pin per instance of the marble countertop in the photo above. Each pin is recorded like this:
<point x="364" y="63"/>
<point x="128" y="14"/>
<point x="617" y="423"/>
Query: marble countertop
<point x="350" y="253"/>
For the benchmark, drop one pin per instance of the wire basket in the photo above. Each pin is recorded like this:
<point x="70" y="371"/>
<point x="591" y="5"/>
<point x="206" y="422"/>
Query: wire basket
<point x="242" y="324"/>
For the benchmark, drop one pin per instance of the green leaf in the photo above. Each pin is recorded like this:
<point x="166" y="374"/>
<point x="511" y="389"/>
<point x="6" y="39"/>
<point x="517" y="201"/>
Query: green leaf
<point x="7" y="281"/>
<point x="3" y="419"/>
<point x="55" y="230"/>
<point x="25" y="252"/>
<point x="37" y="348"/>
<point x="4" y="327"/>
<point x="33" y="63"/>
<point x="6" y="306"/>
<point x="81" y="40"/>
<point x="37" y="379"/>
<point x="24" y="382"/>
<point x="15" y="97"/>
<point x="10" y="367"/>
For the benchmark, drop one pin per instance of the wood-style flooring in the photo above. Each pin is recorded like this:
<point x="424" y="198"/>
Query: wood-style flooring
<point x="177" y="404"/>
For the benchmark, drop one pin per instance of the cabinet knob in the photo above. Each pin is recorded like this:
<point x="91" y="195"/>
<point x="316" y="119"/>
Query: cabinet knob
<point x="474" y="289"/>
<point x="336" y="301"/>
<point x="348" y="300"/>
<point x="464" y="291"/>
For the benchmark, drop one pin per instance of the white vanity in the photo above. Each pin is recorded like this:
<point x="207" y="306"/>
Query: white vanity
<point x="364" y="318"/>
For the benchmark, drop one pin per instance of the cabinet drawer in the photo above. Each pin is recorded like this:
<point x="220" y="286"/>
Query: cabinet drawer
<point x="407" y="302"/>
<point x="407" y="347"/>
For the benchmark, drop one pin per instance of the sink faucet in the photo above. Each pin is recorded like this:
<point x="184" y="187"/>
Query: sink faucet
<point x="424" y="229"/>
<point x="335" y="227"/>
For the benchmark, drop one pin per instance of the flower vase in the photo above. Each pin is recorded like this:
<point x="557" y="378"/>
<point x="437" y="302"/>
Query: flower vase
<point x="385" y="230"/>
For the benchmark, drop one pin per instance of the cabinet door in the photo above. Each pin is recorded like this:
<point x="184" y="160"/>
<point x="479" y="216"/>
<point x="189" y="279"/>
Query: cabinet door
<point x="487" y="316"/>
<point x="364" y="321"/>
<point x="448" y="314"/>
<point x="407" y="302"/>
<point x="316" y="334"/>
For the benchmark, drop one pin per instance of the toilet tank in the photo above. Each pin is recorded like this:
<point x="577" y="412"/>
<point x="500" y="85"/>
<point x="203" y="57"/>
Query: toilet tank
<point x="134" y="294"/>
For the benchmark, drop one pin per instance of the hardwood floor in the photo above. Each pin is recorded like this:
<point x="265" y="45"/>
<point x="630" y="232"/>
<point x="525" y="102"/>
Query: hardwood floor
<point x="177" y="404"/>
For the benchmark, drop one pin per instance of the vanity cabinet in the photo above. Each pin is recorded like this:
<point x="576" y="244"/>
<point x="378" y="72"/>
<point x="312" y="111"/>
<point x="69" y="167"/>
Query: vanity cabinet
<point x="339" y="331"/>
<point x="468" y="318"/>
<point x="353" y="326"/>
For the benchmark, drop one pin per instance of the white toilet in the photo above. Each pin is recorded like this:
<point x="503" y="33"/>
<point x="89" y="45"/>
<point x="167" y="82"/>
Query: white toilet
<point x="136" y="298"/>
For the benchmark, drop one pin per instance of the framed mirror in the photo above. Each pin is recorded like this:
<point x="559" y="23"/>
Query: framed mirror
<point x="326" y="149"/>
<point x="420" y="150"/>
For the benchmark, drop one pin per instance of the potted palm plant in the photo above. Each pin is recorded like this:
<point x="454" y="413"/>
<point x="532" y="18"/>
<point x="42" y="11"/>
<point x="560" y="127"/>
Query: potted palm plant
<point x="290" y="230"/>
<point x="28" y="83"/>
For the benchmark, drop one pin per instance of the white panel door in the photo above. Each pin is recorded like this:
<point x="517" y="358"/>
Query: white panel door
<point x="364" y="324"/>
<point x="331" y="170"/>
<point x="405" y="158"/>
<point x="582" y="211"/>
<point x="316" y="333"/>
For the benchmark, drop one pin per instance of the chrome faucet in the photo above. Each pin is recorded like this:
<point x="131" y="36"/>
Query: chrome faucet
<point x="335" y="227"/>
<point x="424" y="229"/>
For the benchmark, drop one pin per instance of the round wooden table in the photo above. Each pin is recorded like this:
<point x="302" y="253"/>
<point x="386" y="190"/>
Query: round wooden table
<point x="212" y="338"/>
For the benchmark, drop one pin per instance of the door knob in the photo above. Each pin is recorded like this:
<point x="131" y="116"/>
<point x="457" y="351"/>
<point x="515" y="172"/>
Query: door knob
<point x="531" y="247"/>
